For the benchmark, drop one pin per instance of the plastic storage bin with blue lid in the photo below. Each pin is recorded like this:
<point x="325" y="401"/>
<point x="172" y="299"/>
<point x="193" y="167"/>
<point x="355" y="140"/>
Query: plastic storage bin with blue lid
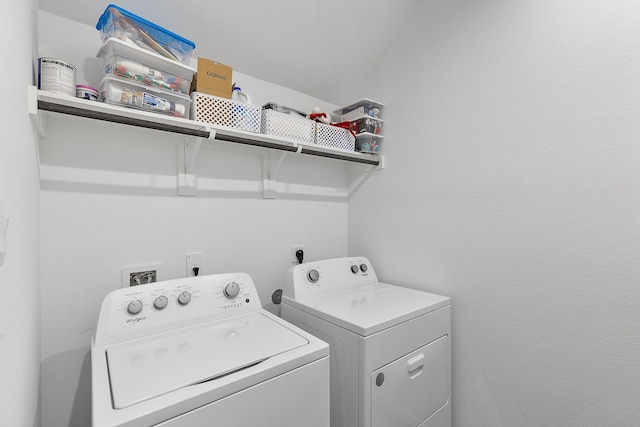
<point x="122" y="24"/>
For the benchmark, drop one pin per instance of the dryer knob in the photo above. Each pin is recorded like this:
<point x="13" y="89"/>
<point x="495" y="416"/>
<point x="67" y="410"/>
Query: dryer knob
<point x="354" y="269"/>
<point x="231" y="290"/>
<point x="363" y="268"/>
<point x="313" y="276"/>
<point x="134" y="307"/>
<point x="184" y="298"/>
<point x="160" y="302"/>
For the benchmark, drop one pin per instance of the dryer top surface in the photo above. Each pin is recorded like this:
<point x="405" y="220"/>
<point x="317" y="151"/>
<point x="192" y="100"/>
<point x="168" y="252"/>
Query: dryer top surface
<point x="372" y="308"/>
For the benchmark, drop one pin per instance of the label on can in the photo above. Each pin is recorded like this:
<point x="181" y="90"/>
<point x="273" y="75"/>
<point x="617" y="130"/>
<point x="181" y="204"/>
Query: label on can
<point x="56" y="76"/>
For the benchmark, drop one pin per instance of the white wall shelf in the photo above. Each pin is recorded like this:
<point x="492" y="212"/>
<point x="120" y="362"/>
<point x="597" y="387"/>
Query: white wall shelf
<point x="46" y="101"/>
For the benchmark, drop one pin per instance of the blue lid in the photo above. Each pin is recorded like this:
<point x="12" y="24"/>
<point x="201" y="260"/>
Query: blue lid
<point x="105" y="15"/>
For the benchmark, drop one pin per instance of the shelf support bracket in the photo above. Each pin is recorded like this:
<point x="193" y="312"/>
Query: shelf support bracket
<point x="34" y="113"/>
<point x="357" y="183"/>
<point x="187" y="161"/>
<point x="37" y="119"/>
<point x="269" y="175"/>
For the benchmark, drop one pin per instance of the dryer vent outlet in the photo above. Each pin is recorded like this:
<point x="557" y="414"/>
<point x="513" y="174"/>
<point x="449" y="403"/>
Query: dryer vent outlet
<point x="276" y="297"/>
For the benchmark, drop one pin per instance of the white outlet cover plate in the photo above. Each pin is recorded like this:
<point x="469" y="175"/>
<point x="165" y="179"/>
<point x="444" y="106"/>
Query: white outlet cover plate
<point x="194" y="259"/>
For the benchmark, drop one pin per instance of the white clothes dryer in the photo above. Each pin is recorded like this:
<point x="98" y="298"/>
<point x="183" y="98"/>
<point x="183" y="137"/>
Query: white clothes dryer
<point x="389" y="345"/>
<point x="201" y="351"/>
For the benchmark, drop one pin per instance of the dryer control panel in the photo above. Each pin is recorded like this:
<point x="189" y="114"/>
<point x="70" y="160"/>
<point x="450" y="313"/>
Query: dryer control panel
<point x="321" y="277"/>
<point x="157" y="307"/>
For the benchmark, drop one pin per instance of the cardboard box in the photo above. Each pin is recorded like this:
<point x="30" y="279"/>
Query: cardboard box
<point x="213" y="78"/>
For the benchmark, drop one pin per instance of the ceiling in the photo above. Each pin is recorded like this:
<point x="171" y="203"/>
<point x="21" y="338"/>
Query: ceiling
<point x="315" y="47"/>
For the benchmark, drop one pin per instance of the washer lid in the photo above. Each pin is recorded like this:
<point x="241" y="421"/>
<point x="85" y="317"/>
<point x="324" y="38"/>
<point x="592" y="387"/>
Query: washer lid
<point x="371" y="308"/>
<point x="145" y="368"/>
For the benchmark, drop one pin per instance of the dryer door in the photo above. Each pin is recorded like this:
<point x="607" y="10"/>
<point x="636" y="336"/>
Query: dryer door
<point x="410" y="389"/>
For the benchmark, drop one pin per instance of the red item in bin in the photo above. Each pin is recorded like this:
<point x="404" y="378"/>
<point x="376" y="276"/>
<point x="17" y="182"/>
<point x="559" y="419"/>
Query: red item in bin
<point x="345" y="125"/>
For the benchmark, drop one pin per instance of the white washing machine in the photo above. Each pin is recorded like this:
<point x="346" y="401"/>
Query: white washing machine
<point x="201" y="351"/>
<point x="390" y="346"/>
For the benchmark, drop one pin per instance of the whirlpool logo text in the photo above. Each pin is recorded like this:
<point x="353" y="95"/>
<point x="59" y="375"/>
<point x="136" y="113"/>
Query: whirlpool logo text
<point x="136" y="319"/>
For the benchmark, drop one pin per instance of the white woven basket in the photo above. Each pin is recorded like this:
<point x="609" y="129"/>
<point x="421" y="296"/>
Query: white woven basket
<point x="225" y="112"/>
<point x="289" y="126"/>
<point x="336" y="137"/>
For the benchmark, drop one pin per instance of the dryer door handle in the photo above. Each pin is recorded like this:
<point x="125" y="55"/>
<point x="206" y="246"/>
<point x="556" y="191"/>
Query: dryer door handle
<point x="415" y="365"/>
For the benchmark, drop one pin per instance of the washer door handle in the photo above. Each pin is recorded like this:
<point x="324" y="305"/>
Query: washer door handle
<point x="415" y="365"/>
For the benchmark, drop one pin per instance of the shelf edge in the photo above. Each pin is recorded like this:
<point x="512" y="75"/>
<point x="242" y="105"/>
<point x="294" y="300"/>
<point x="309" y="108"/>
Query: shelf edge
<point x="115" y="118"/>
<point x="98" y="111"/>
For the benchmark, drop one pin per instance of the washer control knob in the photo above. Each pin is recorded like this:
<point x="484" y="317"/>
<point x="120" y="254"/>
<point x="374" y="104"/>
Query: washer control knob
<point x="184" y="298"/>
<point x="161" y="302"/>
<point x="231" y="290"/>
<point x="354" y="269"/>
<point x="313" y="276"/>
<point x="134" y="307"/>
<point x="363" y="268"/>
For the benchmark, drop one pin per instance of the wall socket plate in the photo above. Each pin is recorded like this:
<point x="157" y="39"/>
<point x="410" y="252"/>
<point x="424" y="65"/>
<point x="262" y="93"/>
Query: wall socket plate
<point x="294" y="249"/>
<point x="141" y="274"/>
<point x="194" y="259"/>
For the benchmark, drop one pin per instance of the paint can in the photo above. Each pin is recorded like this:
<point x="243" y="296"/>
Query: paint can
<point x="56" y="76"/>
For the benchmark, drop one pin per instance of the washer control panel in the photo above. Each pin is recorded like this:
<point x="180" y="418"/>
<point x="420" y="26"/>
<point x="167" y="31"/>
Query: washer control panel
<point x="319" y="277"/>
<point x="141" y="310"/>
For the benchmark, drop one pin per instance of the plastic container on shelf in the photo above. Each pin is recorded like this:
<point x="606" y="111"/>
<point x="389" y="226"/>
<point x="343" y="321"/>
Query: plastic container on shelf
<point x="369" y="143"/>
<point x="124" y="25"/>
<point x="128" y="60"/>
<point x="366" y="107"/>
<point x="238" y="95"/>
<point x="291" y="126"/>
<point x="126" y="92"/>
<point x="239" y="111"/>
<point x="87" y="92"/>
<point x="367" y="124"/>
<point x="335" y="137"/>
<point x="225" y="112"/>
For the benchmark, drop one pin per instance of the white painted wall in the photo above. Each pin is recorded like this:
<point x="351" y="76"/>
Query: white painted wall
<point x="19" y="277"/>
<point x="109" y="200"/>
<point x="512" y="185"/>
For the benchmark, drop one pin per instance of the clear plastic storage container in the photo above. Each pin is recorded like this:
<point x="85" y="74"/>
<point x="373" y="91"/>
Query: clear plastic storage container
<point x="130" y="61"/>
<point x="124" y="25"/>
<point x="367" y="124"/>
<point x="366" y="107"/>
<point x="369" y="143"/>
<point x="126" y="92"/>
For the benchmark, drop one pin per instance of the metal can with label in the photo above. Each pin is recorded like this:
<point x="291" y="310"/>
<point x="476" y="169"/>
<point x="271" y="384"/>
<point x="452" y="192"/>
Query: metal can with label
<point x="56" y="76"/>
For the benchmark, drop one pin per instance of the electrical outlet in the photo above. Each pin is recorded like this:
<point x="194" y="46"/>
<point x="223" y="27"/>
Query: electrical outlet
<point x="194" y="260"/>
<point x="294" y="249"/>
<point x="139" y="274"/>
